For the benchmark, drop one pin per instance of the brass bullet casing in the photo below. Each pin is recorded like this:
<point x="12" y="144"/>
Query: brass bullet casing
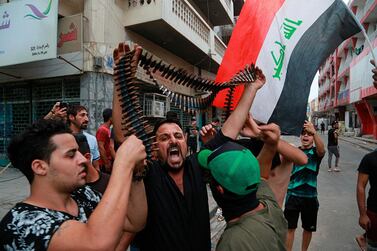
<point x="182" y="79"/>
<point x="162" y="67"/>
<point x="171" y="73"/>
<point x="152" y="64"/>
<point x="157" y="66"/>
<point x="166" y="71"/>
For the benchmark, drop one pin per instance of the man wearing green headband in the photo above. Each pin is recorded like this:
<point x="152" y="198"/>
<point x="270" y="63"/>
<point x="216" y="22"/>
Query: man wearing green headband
<point x="255" y="220"/>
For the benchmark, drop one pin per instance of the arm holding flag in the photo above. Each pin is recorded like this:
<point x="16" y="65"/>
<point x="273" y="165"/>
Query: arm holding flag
<point x="236" y="120"/>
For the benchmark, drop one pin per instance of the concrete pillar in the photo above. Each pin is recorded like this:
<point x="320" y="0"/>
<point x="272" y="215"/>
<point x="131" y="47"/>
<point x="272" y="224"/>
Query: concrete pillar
<point x="96" y="94"/>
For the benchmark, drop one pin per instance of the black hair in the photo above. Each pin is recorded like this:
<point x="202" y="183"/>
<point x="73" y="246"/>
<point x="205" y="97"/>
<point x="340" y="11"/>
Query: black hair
<point x="107" y="114"/>
<point x="74" y="109"/>
<point x="166" y="121"/>
<point x="172" y="115"/>
<point x="34" y="143"/>
<point x="83" y="144"/>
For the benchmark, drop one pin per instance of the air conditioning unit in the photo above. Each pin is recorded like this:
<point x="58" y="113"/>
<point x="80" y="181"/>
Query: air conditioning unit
<point x="158" y="108"/>
<point x="155" y="105"/>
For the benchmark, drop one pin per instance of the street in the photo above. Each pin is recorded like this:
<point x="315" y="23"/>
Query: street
<point x="338" y="213"/>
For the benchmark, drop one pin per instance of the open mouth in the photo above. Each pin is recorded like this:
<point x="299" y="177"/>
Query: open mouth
<point x="174" y="151"/>
<point x="305" y="140"/>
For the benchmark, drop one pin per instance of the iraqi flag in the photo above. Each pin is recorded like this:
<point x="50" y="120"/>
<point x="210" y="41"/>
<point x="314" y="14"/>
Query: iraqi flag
<point x="288" y="40"/>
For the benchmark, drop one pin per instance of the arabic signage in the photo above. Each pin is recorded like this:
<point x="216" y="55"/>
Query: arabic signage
<point x="26" y="29"/>
<point x="70" y="34"/>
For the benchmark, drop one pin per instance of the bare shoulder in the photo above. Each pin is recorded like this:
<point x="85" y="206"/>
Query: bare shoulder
<point x="69" y="236"/>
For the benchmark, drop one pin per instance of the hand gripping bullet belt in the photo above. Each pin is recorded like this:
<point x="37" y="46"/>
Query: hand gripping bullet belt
<point x="126" y="83"/>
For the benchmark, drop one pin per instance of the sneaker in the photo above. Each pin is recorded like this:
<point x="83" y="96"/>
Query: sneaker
<point x="336" y="169"/>
<point x="329" y="170"/>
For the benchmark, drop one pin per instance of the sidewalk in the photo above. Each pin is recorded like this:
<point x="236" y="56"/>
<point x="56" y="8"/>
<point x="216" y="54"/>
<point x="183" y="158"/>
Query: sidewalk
<point x="14" y="188"/>
<point x="367" y="144"/>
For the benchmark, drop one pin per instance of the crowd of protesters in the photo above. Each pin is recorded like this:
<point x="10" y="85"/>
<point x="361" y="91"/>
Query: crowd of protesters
<point x="84" y="195"/>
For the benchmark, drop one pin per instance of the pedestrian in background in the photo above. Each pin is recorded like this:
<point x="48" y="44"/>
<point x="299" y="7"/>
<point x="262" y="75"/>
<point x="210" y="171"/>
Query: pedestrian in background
<point x="78" y="120"/>
<point x="192" y="133"/>
<point x="322" y="127"/>
<point x="106" y="149"/>
<point x="332" y="146"/>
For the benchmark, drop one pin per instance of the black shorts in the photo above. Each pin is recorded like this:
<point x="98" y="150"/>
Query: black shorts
<point x="308" y="207"/>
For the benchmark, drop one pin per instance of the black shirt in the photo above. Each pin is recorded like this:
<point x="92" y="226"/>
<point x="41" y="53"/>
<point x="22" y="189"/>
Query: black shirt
<point x="368" y="165"/>
<point x="176" y="221"/>
<point x="100" y="184"/>
<point x="332" y="141"/>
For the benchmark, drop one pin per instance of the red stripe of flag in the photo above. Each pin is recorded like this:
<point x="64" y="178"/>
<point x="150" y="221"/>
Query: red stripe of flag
<point x="246" y="41"/>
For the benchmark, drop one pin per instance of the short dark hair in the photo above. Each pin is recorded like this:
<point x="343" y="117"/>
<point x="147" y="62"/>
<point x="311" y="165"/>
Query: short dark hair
<point x="172" y="115"/>
<point x="83" y="144"/>
<point x="107" y="114"/>
<point x="166" y="121"/>
<point x="74" y="109"/>
<point x="34" y="143"/>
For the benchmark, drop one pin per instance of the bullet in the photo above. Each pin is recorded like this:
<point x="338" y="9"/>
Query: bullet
<point x="157" y="66"/>
<point x="165" y="71"/>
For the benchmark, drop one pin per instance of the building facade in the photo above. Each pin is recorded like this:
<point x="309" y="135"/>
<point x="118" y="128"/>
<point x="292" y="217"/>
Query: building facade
<point x="346" y="91"/>
<point x="179" y="32"/>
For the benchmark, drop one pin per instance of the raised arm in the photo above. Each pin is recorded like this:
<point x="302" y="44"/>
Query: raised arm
<point x="105" y="225"/>
<point x="270" y="135"/>
<point x="137" y="208"/>
<point x="237" y="118"/>
<point x="117" y="109"/>
<point x="57" y="112"/>
<point x="309" y="127"/>
<point x="291" y="153"/>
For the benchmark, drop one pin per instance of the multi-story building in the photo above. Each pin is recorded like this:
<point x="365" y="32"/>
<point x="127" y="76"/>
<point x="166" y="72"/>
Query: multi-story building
<point x="179" y="32"/>
<point x="346" y="91"/>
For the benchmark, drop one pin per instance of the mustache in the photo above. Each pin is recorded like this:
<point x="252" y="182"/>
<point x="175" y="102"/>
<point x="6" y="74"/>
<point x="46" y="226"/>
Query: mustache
<point x="174" y="146"/>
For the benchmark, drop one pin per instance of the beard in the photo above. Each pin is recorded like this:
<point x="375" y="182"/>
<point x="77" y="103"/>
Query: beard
<point x="170" y="169"/>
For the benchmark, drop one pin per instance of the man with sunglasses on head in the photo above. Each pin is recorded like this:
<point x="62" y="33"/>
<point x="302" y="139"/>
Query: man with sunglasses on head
<point x="302" y="189"/>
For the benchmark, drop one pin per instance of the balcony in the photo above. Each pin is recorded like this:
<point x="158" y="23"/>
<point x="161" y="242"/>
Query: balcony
<point x="220" y="12"/>
<point x="176" y="26"/>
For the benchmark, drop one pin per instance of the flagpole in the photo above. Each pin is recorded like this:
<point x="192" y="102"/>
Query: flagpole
<point x="364" y="33"/>
<point x="369" y="43"/>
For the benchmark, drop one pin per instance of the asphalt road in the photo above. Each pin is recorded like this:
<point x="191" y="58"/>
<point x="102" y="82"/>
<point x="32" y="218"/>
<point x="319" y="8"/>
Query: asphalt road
<point x="338" y="213"/>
